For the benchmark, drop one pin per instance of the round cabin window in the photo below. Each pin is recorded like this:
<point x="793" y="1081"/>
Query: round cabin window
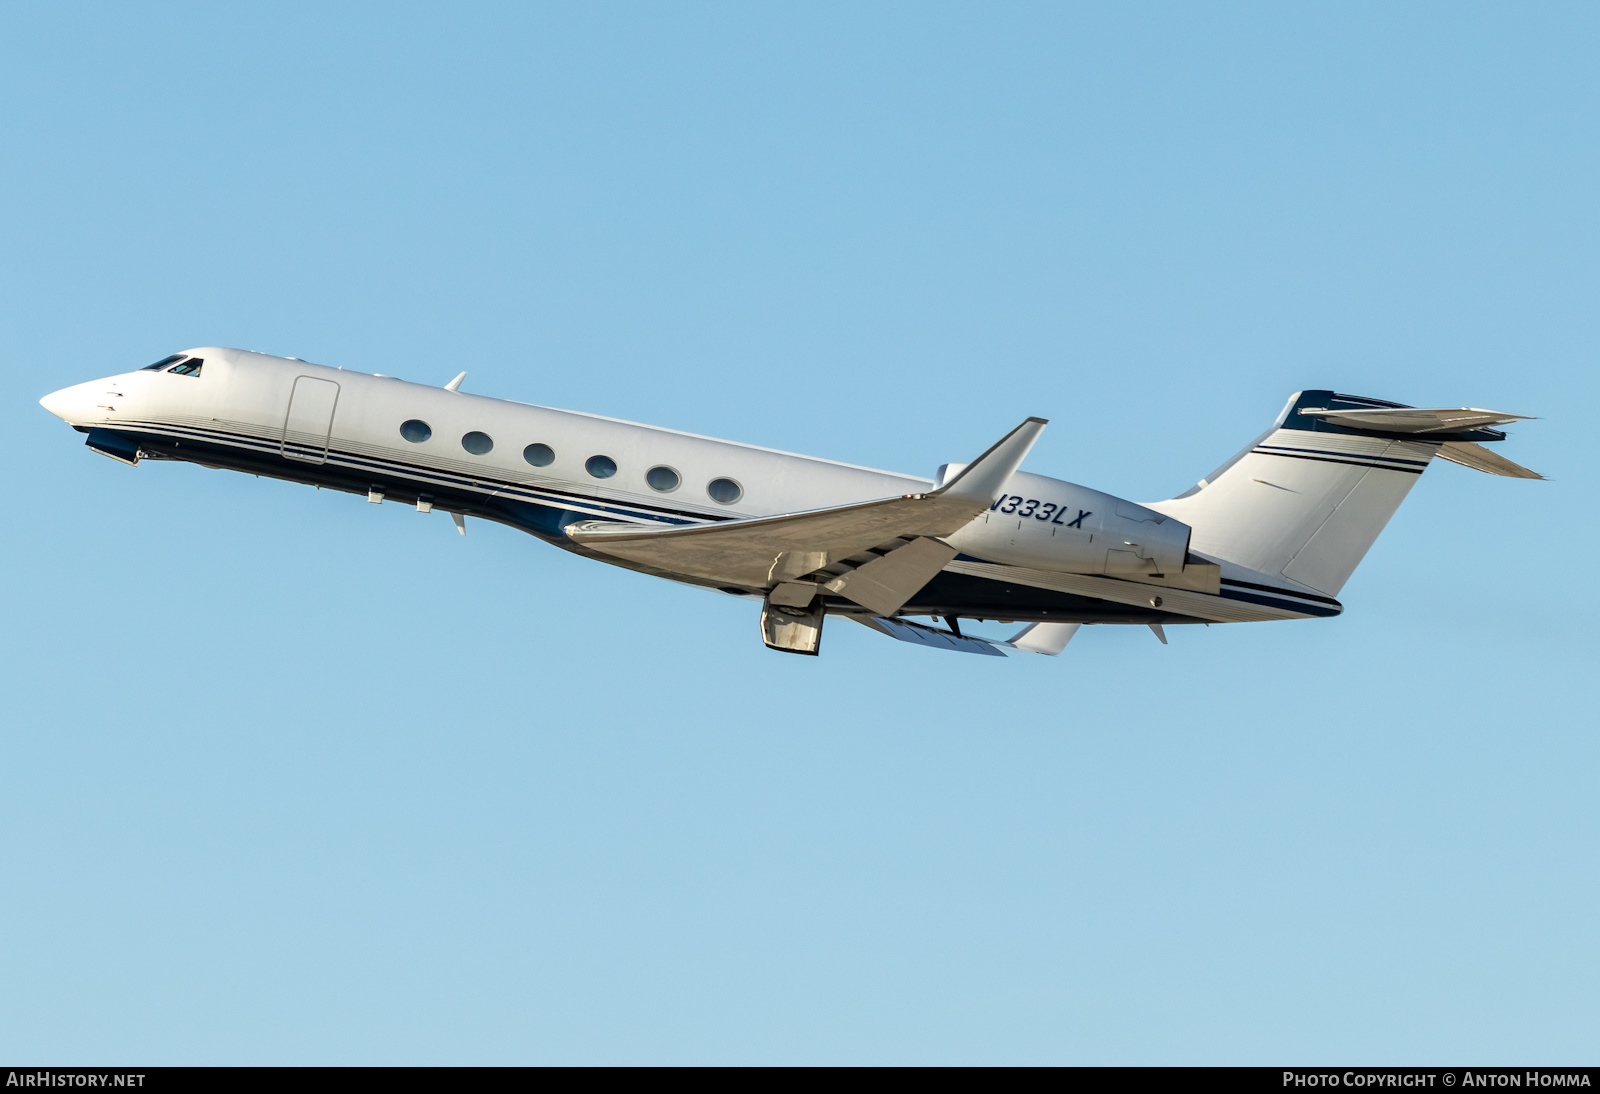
<point x="725" y="491"/>
<point x="601" y="467"/>
<point x="540" y="455"/>
<point x="416" y="431"/>
<point x="479" y="444"/>
<point x="664" y="479"/>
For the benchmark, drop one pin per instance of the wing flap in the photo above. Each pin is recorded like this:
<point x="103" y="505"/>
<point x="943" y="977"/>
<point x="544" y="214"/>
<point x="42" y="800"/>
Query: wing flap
<point x="887" y="582"/>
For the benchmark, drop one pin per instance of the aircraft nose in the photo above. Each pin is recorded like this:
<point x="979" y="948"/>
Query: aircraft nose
<point x="70" y="403"/>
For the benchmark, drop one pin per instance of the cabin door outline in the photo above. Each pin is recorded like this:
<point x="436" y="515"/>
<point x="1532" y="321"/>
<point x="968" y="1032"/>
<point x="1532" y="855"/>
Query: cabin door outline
<point x="309" y="421"/>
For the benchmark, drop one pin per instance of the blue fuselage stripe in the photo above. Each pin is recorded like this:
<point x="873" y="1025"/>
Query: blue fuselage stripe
<point x="559" y="499"/>
<point x="485" y="486"/>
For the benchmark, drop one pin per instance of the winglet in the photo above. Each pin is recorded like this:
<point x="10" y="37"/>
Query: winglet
<point x="455" y="385"/>
<point x="983" y="478"/>
<point x="1046" y="638"/>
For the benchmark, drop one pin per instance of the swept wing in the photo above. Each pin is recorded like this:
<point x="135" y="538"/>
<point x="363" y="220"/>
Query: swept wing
<point x="763" y="552"/>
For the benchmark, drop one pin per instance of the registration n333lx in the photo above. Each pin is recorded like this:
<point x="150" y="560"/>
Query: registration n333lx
<point x="1272" y="534"/>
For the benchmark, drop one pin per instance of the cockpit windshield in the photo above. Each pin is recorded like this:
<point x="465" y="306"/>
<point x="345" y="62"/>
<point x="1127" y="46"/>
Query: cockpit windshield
<point x="185" y="365"/>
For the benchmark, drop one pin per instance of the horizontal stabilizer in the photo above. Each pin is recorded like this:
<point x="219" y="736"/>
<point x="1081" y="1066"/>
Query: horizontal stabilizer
<point x="1480" y="458"/>
<point x="1414" y="419"/>
<point x="920" y="635"/>
<point x="756" y="551"/>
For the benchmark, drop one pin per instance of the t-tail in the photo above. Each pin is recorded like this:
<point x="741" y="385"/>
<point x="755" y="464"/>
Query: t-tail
<point x="1309" y="497"/>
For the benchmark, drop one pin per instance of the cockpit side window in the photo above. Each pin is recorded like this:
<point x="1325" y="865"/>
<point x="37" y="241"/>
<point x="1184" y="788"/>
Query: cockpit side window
<point x="163" y="363"/>
<point x="191" y="367"/>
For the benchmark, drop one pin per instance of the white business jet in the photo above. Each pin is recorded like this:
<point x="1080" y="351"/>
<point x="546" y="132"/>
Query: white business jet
<point x="1272" y="534"/>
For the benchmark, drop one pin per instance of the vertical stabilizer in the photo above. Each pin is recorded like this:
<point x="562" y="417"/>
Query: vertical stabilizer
<point x="1309" y="497"/>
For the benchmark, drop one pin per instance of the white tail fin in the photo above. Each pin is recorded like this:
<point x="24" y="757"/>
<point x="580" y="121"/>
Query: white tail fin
<point x="1308" y="498"/>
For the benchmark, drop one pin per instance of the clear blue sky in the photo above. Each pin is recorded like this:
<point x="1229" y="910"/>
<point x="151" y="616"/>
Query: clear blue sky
<point x="290" y="778"/>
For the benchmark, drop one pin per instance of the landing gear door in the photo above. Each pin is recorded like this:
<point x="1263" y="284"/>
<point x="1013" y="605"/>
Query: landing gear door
<point x="310" y="419"/>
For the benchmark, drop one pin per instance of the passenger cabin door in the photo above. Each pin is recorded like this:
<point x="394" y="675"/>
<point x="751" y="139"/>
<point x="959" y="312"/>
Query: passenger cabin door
<point x="310" y="419"/>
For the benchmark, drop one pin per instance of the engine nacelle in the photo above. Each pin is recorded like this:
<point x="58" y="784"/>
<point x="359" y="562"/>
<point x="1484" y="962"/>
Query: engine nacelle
<point x="1048" y="524"/>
